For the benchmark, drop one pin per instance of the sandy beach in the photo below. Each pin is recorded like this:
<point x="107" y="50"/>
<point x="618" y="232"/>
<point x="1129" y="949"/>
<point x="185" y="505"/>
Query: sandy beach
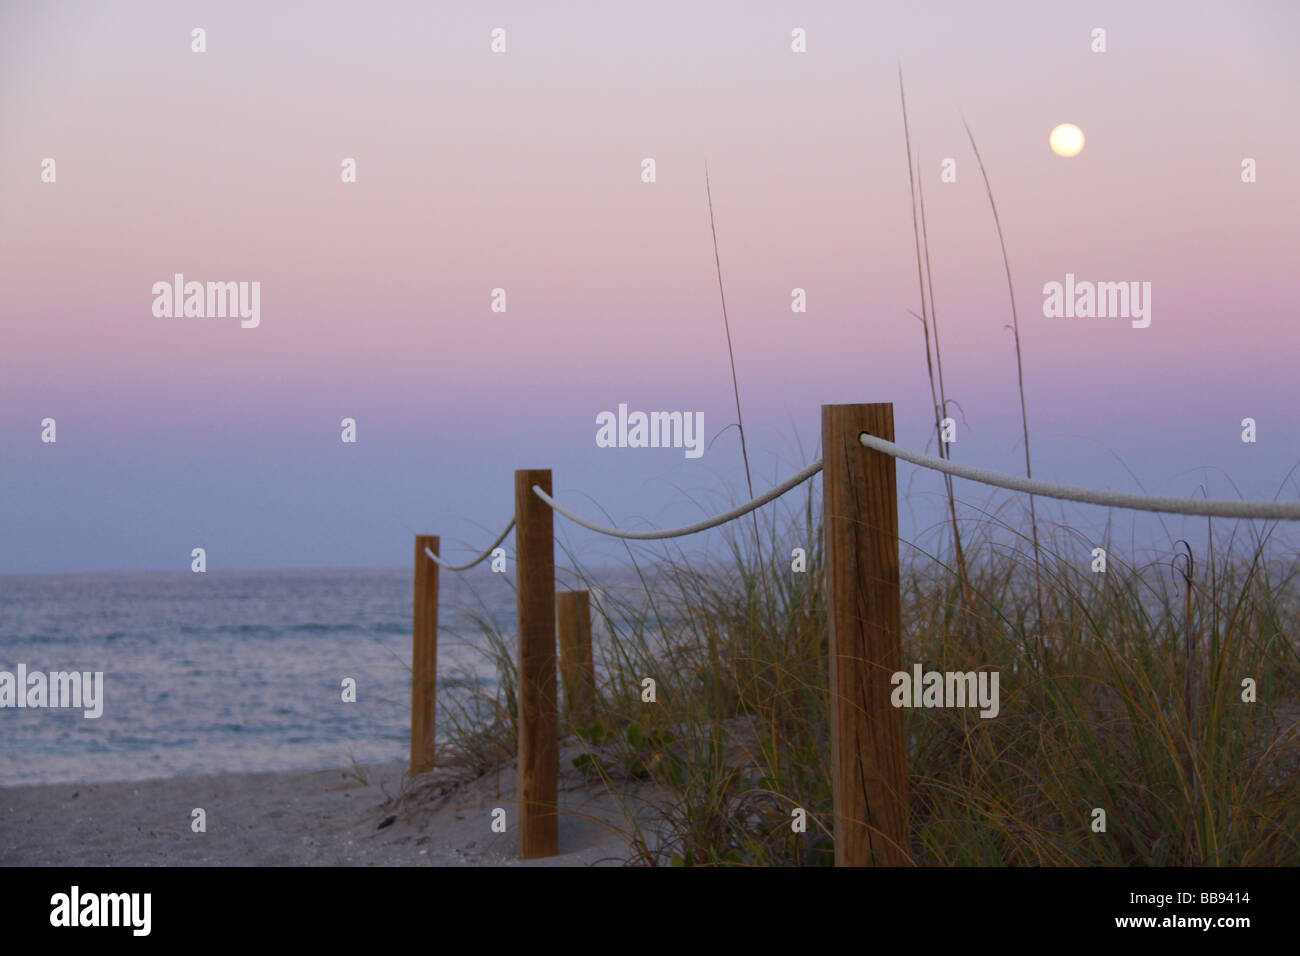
<point x="302" y="818"/>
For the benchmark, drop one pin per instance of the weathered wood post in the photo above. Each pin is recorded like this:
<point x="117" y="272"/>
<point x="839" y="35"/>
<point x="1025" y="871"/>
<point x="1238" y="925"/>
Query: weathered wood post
<point x="538" y="713"/>
<point x="573" y="613"/>
<point x="424" y="655"/>
<point x="864" y="605"/>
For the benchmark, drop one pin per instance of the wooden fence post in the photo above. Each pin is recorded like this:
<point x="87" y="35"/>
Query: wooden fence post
<point x="863" y="599"/>
<point x="538" y="716"/>
<point x="424" y="656"/>
<point x="573" y="612"/>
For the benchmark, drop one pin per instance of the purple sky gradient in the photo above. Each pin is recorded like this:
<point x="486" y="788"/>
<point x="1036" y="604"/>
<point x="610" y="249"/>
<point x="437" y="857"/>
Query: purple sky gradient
<point x="522" y="171"/>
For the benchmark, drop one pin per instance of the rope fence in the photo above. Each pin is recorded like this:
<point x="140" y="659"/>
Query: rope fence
<point x="1192" y="507"/>
<point x="792" y="482"/>
<point x="863" y="608"/>
<point x="465" y="567"/>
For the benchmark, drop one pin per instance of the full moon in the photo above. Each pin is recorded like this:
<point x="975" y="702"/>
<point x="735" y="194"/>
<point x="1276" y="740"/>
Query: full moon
<point x="1066" y="140"/>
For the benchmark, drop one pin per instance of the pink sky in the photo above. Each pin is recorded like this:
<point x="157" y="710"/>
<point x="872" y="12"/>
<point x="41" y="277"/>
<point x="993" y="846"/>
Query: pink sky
<point x="521" y="171"/>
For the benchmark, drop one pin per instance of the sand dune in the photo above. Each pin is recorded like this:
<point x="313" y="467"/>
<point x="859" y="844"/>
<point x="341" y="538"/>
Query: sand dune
<point x="303" y="818"/>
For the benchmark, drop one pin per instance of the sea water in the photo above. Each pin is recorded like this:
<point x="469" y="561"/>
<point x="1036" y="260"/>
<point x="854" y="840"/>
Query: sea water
<point x="217" y="672"/>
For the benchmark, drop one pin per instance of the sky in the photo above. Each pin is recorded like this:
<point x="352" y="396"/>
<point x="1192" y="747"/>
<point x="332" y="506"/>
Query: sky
<point x="522" y="170"/>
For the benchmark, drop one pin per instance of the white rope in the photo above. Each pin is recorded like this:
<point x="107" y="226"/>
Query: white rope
<point x="747" y="507"/>
<point x="465" y="567"/>
<point x="1281" y="510"/>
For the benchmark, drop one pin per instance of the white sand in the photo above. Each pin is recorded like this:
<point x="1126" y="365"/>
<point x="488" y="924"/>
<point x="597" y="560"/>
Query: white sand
<point x="305" y="818"/>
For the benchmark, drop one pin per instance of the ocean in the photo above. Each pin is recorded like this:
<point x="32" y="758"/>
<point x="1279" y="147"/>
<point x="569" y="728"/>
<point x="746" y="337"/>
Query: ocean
<point x="217" y="672"/>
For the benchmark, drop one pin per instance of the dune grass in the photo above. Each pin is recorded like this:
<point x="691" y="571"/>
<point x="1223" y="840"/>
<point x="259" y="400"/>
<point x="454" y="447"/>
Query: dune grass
<point x="1108" y="711"/>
